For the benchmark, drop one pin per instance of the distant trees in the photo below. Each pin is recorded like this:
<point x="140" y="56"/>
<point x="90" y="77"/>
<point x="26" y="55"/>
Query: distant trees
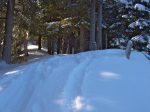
<point x="74" y="25"/>
<point x="21" y="23"/>
<point x="80" y="26"/>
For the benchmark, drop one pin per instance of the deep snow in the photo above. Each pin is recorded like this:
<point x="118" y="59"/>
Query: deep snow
<point x="97" y="81"/>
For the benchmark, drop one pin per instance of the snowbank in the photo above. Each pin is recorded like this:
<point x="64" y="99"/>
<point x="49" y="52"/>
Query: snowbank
<point x="98" y="81"/>
<point x="30" y="46"/>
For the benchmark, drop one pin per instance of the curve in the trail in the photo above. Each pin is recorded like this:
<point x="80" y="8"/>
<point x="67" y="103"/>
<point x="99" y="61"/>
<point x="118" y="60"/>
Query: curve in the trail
<point x="88" y="82"/>
<point x="35" y="86"/>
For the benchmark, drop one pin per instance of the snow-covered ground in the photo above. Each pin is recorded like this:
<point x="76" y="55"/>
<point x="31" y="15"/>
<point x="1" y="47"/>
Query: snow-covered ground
<point x="2" y="64"/>
<point x="97" y="81"/>
<point x="5" y="67"/>
<point x="34" y="53"/>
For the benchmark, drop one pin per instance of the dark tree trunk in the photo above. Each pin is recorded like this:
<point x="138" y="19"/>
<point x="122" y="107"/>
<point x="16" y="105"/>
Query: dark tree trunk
<point x="6" y="55"/>
<point x="65" y="44"/>
<point x="1" y="40"/>
<point x="71" y="44"/>
<point x="49" y="45"/>
<point x="92" y="43"/>
<point x="82" y="39"/>
<point x="99" y="32"/>
<point x="106" y="39"/>
<point x="26" y="44"/>
<point x="76" y="45"/>
<point x="39" y="42"/>
<point x="68" y="44"/>
<point x="55" y="46"/>
<point x="0" y="49"/>
<point x="59" y="46"/>
<point x="61" y="43"/>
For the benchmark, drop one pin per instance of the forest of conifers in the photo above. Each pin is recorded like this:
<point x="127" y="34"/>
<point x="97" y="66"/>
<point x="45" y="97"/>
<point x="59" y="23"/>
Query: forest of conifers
<point x="72" y="26"/>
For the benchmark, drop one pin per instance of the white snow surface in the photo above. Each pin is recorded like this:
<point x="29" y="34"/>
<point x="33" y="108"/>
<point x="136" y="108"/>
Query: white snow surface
<point x="148" y="46"/>
<point x="127" y="2"/>
<point x="97" y="81"/>
<point x="2" y="64"/>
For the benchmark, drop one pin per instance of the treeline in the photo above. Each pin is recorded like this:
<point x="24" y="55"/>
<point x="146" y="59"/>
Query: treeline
<point x="71" y="26"/>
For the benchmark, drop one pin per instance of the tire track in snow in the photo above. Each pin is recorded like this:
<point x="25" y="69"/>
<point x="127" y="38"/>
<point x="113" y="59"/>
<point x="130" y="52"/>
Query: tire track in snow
<point x="50" y="93"/>
<point x="73" y="88"/>
<point x="38" y="85"/>
<point x="39" y="94"/>
<point x="29" y="82"/>
<point x="18" y="91"/>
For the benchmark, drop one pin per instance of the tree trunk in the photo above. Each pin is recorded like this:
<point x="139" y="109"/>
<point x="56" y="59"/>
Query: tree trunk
<point x="39" y="42"/>
<point x="49" y="45"/>
<point x="82" y="39"/>
<point x="26" y="44"/>
<point x="67" y="47"/>
<point x="55" y="45"/>
<point x="1" y="39"/>
<point x="59" y="45"/>
<point x="92" y="43"/>
<point x="6" y="56"/>
<point x="0" y="49"/>
<point x="128" y="49"/>
<point x="65" y="44"/>
<point x="99" y="32"/>
<point x="106" y="37"/>
<point x="76" y="45"/>
<point x="71" y="44"/>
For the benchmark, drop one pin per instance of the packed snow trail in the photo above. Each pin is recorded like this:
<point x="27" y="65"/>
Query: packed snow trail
<point x="98" y="81"/>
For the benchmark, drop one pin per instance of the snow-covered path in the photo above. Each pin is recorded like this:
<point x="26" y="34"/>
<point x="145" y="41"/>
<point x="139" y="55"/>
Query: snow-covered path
<point x="100" y="81"/>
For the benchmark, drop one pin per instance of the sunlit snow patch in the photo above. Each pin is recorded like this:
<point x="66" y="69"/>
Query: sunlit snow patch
<point x="79" y="104"/>
<point x="12" y="72"/>
<point x="1" y="88"/>
<point x="110" y="75"/>
<point x="60" y="102"/>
